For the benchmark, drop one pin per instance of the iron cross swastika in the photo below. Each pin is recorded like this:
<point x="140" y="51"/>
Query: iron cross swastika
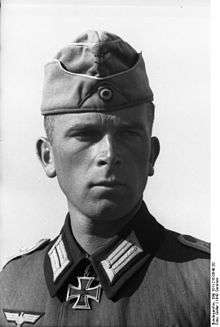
<point x="83" y="292"/>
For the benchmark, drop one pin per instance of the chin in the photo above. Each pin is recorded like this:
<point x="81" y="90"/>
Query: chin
<point x="108" y="210"/>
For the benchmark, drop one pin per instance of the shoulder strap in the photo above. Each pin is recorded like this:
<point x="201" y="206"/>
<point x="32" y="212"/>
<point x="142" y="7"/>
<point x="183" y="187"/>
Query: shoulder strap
<point x="37" y="246"/>
<point x="194" y="243"/>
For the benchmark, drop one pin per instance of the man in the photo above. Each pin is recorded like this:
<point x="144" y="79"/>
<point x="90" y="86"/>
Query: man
<point x="112" y="264"/>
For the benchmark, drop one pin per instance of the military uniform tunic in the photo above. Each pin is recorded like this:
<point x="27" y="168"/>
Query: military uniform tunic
<point x="146" y="276"/>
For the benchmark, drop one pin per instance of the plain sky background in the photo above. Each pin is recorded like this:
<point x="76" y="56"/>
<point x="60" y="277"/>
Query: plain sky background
<point x="174" y="39"/>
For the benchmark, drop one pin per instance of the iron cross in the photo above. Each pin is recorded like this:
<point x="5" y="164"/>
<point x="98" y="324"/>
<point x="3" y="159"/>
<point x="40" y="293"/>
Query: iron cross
<point x="83" y="292"/>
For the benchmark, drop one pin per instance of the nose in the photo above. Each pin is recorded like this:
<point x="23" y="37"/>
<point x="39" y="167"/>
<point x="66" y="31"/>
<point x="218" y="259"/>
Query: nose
<point x="108" y="152"/>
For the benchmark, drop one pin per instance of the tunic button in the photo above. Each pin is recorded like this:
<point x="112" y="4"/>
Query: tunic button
<point x="105" y="93"/>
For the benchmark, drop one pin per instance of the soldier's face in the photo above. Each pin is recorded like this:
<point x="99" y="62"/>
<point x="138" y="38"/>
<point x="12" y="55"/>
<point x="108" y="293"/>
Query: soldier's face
<point x="102" y="160"/>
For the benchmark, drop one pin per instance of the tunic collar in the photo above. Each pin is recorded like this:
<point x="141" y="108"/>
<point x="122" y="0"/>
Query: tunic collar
<point x="114" y="264"/>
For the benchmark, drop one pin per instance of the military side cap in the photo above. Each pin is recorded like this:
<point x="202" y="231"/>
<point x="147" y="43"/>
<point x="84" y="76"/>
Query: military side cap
<point x="97" y="72"/>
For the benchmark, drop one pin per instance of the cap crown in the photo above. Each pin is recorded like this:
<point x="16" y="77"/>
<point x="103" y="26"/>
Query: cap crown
<point x="97" y="53"/>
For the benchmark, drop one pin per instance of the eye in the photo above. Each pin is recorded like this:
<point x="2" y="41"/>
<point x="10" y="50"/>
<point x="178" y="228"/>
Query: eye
<point x="130" y="133"/>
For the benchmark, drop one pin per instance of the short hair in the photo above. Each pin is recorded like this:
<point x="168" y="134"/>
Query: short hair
<point x="49" y="126"/>
<point x="49" y="121"/>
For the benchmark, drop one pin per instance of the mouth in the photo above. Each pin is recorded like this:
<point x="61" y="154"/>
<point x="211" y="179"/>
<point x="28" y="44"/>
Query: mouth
<point x="109" y="183"/>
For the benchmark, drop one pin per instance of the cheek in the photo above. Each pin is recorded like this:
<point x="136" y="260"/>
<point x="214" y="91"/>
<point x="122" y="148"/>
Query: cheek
<point x="137" y="166"/>
<point x="139" y="153"/>
<point x="71" y="165"/>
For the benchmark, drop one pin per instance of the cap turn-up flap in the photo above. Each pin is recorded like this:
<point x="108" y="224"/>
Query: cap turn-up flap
<point x="66" y="92"/>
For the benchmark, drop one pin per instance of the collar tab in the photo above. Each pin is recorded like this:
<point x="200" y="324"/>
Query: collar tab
<point x="118" y="262"/>
<point x="58" y="258"/>
<point x="120" y="258"/>
<point x="61" y="259"/>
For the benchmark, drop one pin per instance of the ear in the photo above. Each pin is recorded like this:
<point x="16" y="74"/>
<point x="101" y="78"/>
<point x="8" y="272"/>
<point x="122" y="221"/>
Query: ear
<point x="155" y="150"/>
<point x="45" y="154"/>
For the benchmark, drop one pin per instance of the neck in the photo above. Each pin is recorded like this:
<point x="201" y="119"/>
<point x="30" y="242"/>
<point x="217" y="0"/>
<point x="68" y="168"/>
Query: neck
<point x="93" y="234"/>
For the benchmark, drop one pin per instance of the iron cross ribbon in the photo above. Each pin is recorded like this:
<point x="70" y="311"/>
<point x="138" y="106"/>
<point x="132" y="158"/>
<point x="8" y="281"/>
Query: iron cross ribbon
<point x="83" y="292"/>
<point x="19" y="318"/>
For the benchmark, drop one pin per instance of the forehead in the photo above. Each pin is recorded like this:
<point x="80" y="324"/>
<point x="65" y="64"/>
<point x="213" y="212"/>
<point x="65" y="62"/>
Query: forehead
<point x="138" y="115"/>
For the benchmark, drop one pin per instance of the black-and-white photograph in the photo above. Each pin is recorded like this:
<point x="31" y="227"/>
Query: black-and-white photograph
<point x="105" y="163"/>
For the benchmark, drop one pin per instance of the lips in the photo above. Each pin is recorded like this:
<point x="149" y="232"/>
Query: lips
<point x="108" y="183"/>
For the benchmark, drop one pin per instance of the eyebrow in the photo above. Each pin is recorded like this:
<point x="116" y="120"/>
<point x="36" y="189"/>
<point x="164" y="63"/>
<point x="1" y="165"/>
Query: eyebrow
<point x="82" y="125"/>
<point x="135" y="125"/>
